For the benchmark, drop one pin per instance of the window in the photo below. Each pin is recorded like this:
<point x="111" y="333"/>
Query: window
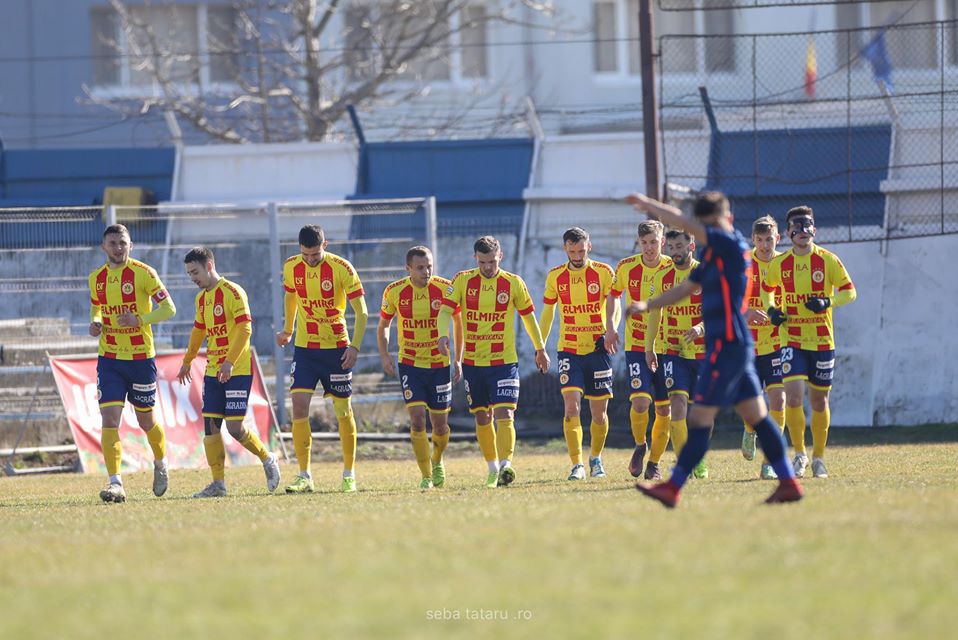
<point x="199" y="43"/>
<point x="463" y="55"/>
<point x="615" y="28"/>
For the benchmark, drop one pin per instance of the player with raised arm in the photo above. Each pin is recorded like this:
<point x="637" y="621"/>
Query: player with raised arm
<point x="580" y="288"/>
<point x="224" y="320"/>
<point x="416" y="301"/>
<point x="122" y="293"/>
<point x="728" y="373"/>
<point x="318" y="285"/>
<point x="489" y="298"/>
<point x="635" y="277"/>
<point x="813" y="282"/>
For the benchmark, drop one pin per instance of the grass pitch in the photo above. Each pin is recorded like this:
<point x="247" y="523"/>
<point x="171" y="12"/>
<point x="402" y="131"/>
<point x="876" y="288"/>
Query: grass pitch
<point x="871" y="553"/>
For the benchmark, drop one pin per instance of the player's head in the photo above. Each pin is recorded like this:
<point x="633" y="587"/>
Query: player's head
<point x="679" y="245"/>
<point x="312" y="244"/>
<point x="651" y="240"/>
<point x="577" y="246"/>
<point x="765" y="237"/>
<point x="711" y="208"/>
<point x="800" y="225"/>
<point x="419" y="265"/>
<point x="200" y="267"/>
<point x="117" y="244"/>
<point x="488" y="255"/>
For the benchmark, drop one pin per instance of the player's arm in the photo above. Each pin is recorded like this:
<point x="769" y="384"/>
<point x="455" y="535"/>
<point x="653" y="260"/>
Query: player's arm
<point x="843" y="283"/>
<point x="523" y="303"/>
<point x="382" y="341"/>
<point x="197" y="334"/>
<point x="669" y="216"/>
<point x="239" y="340"/>
<point x="613" y="313"/>
<point x="767" y="293"/>
<point x="289" y="308"/>
<point x="164" y="310"/>
<point x="450" y="304"/>
<point x="545" y="321"/>
<point x="358" y="303"/>
<point x="672" y="296"/>
<point x="96" y="319"/>
<point x="459" y="335"/>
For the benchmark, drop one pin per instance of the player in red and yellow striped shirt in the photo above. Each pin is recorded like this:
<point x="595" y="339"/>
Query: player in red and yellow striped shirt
<point x="122" y="293"/>
<point x="489" y="298"/>
<point x="813" y="281"/>
<point x="318" y="284"/>
<point x="579" y="288"/>
<point x="224" y="320"/>
<point x="423" y="371"/>
<point x="635" y="277"/>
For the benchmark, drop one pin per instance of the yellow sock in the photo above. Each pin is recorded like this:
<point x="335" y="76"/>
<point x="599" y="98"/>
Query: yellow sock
<point x="347" y="431"/>
<point x="748" y="427"/>
<point x="215" y="456"/>
<point x="598" y="431"/>
<point x="302" y="443"/>
<point x="639" y="421"/>
<point x="660" y="437"/>
<point x="779" y="418"/>
<point x="795" y="421"/>
<point x="439" y="446"/>
<point x="486" y="436"/>
<point x="420" y="446"/>
<point x="254" y="445"/>
<point x="820" y="422"/>
<point x="680" y="435"/>
<point x="157" y="439"/>
<point x="505" y="438"/>
<point x="572" y="428"/>
<point x="112" y="450"/>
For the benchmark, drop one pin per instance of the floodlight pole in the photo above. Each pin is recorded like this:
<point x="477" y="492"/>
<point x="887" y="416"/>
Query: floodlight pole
<point x="650" y="106"/>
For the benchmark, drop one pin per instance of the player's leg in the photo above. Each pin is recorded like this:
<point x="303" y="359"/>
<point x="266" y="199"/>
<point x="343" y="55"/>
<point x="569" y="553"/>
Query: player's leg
<point x="420" y="442"/>
<point x="753" y="411"/>
<point x="794" y="376"/>
<point x="338" y="383"/>
<point x="213" y="444"/>
<point x="111" y="391"/>
<point x="639" y="422"/>
<point x="237" y="402"/>
<point x="439" y="404"/>
<point x="661" y="427"/>
<point x="597" y="378"/>
<point x="776" y="409"/>
<point x="504" y="416"/>
<point x="679" y="429"/>
<point x="598" y="432"/>
<point x="701" y="470"/>
<point x="304" y="380"/>
<point x="478" y="397"/>
<point x="572" y="430"/>
<point x="819" y="385"/>
<point x="143" y="398"/>
<point x="763" y="368"/>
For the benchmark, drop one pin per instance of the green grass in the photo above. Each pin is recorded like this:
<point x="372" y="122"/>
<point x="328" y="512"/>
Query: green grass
<point x="871" y="553"/>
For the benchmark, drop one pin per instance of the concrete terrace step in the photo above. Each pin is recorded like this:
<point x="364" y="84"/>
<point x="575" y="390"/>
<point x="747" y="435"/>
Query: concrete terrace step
<point x="33" y="327"/>
<point x="20" y="351"/>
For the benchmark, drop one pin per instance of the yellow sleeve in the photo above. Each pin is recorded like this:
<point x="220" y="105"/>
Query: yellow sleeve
<point x="655" y="318"/>
<point x="450" y="304"/>
<point x="95" y="315"/>
<point x="239" y="338"/>
<point x="522" y="299"/>
<point x="196" y="341"/>
<point x="529" y="322"/>
<point x="388" y="308"/>
<point x="550" y="296"/>
<point x="164" y="311"/>
<point x="351" y="284"/>
<point x="289" y="305"/>
<point x="772" y="279"/>
<point x="358" y="303"/>
<point x="843" y="283"/>
<point x="545" y="320"/>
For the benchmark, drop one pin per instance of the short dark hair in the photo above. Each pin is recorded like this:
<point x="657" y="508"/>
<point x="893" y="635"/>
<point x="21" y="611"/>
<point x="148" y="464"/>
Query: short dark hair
<point x="801" y="210"/>
<point x="486" y="244"/>
<point x="672" y="234"/>
<point x="419" y="251"/>
<point x="765" y="224"/>
<point x="709" y="203"/>
<point x="199" y="254"/>
<point x="117" y="228"/>
<point x="311" y="236"/>
<point x="575" y="235"/>
<point x="650" y="226"/>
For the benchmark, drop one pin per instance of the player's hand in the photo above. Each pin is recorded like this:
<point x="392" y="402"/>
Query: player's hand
<point x="636" y="308"/>
<point x="651" y="361"/>
<point x="350" y="356"/>
<point x="128" y="320"/>
<point x="542" y="360"/>
<point x="456" y="371"/>
<point x="818" y="304"/>
<point x="693" y="334"/>
<point x="282" y="338"/>
<point x="95" y="329"/>
<point x="756" y="316"/>
<point x="776" y="317"/>
<point x="611" y="341"/>
<point x="638" y="200"/>
<point x="444" y="345"/>
<point x="388" y="367"/>
<point x="225" y="372"/>
<point x="184" y="375"/>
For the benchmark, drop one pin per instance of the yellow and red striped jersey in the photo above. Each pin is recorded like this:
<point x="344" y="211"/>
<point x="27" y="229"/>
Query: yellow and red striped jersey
<point x="488" y="306"/>
<point x="217" y="313"/>
<point x="767" y="337"/>
<point x="637" y="281"/>
<point x="678" y="318"/>
<point x="132" y="288"/>
<point x="817" y="273"/>
<point x="321" y="294"/>
<point x="580" y="295"/>
<point x="417" y="325"/>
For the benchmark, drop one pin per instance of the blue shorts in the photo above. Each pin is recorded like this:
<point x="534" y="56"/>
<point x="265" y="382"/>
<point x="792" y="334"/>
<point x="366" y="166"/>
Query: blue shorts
<point x="769" y="369"/>
<point x="817" y="367"/>
<point x="491" y="386"/>
<point x="312" y="366"/>
<point x="679" y="374"/>
<point x="226" y="400"/>
<point x="430" y="388"/>
<point x="590" y="373"/>
<point x="728" y="376"/>
<point x="642" y="380"/>
<point x="117" y="380"/>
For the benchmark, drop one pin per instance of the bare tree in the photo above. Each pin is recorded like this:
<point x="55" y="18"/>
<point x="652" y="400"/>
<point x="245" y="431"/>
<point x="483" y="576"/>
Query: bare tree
<point x="275" y="70"/>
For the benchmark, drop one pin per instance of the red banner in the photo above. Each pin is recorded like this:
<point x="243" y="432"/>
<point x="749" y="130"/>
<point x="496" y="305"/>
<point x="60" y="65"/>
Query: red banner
<point x="178" y="408"/>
